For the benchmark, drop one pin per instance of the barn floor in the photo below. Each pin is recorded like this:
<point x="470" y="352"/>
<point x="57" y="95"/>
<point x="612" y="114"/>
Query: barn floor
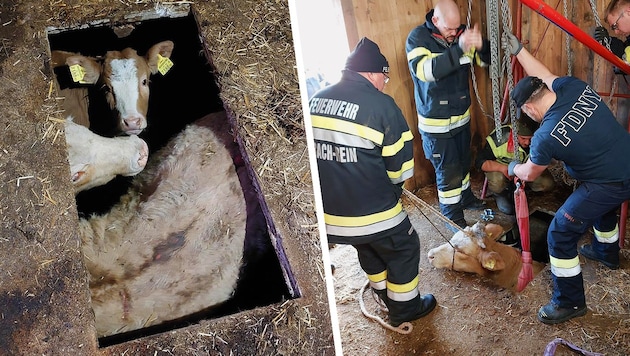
<point x="473" y="316"/>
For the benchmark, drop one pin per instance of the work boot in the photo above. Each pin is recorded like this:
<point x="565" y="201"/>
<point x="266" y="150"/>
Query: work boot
<point x="475" y="204"/>
<point x="427" y="304"/>
<point x="460" y="222"/>
<point x="611" y="262"/>
<point x="511" y="238"/>
<point x="553" y="314"/>
<point x="505" y="202"/>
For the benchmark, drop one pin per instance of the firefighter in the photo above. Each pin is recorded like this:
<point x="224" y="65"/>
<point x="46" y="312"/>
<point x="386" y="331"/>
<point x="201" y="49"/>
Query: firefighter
<point x="439" y="54"/>
<point x="577" y="128"/>
<point x="364" y="154"/>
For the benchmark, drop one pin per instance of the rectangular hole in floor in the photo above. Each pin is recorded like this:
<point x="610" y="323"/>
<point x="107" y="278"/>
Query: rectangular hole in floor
<point x="151" y="238"/>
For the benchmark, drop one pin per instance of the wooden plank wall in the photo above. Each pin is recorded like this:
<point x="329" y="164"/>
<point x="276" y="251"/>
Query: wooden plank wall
<point x="389" y="22"/>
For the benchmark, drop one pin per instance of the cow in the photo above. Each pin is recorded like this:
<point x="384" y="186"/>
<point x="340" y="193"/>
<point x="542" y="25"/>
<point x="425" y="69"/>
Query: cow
<point x="475" y="250"/>
<point x="95" y="160"/>
<point x="122" y="76"/>
<point x="174" y="243"/>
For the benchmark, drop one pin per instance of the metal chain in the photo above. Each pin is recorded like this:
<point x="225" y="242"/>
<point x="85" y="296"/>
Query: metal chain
<point x="567" y="40"/>
<point x="507" y="68"/>
<point x="492" y="13"/>
<point x="472" y="65"/>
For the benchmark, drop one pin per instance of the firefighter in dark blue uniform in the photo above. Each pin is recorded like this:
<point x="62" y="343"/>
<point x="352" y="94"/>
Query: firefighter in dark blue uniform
<point x="364" y="154"/>
<point x="578" y="129"/>
<point x="439" y="53"/>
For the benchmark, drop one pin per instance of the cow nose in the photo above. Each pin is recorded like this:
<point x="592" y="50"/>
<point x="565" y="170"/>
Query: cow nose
<point x="133" y="124"/>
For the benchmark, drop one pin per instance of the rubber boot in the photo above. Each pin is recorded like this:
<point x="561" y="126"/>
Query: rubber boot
<point x="505" y="202"/>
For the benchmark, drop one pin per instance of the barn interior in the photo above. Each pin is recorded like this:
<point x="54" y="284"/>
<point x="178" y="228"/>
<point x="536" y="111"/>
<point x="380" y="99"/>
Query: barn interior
<point x="186" y="93"/>
<point x="235" y="59"/>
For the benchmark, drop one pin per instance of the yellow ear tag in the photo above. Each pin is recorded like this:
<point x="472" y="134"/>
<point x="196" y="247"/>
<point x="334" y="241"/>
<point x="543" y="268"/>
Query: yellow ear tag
<point x="164" y="64"/>
<point x="78" y="73"/>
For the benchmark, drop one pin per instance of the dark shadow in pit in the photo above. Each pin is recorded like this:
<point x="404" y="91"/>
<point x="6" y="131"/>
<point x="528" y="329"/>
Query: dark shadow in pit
<point x="186" y="93"/>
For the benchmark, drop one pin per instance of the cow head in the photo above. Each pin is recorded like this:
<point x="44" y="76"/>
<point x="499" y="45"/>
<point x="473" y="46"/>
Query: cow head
<point x="123" y="77"/>
<point x="467" y="250"/>
<point x="95" y="160"/>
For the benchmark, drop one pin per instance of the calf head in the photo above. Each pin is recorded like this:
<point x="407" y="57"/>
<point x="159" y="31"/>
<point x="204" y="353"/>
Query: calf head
<point x="123" y="77"/>
<point x="468" y="251"/>
<point x="95" y="160"/>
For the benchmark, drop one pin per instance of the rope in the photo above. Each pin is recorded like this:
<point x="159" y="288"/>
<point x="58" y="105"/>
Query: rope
<point x="598" y="60"/>
<point x="419" y="201"/>
<point x="507" y="68"/>
<point x="404" y="328"/>
<point x="567" y="41"/>
<point x="472" y="66"/>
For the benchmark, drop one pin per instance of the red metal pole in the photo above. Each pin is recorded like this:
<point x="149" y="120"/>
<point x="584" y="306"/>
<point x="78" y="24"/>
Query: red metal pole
<point x="577" y="33"/>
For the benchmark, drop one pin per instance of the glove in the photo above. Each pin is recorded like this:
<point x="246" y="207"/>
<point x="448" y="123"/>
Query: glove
<point x="511" y="166"/>
<point x="601" y="35"/>
<point x="513" y="44"/>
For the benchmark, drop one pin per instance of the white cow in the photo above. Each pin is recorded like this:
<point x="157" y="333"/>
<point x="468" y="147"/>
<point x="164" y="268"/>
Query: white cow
<point x="124" y="79"/>
<point x="475" y="250"/>
<point x="174" y="244"/>
<point x="95" y="160"/>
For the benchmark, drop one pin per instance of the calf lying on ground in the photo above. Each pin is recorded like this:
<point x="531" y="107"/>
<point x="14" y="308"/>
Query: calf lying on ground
<point x="475" y="250"/>
<point x="174" y="244"/>
<point x="95" y="160"/>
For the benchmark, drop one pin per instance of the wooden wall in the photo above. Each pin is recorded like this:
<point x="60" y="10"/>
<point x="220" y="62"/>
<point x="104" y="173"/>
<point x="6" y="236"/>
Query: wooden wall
<point x="389" y="22"/>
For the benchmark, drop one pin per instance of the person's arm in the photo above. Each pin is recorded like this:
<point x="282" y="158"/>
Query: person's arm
<point x="527" y="171"/>
<point x="530" y="64"/>
<point x="494" y="166"/>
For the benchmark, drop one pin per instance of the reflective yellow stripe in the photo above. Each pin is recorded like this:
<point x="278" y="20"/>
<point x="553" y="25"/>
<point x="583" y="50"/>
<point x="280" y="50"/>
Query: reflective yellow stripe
<point x="607" y="237"/>
<point x="367" y="229"/>
<point x="428" y="56"/>
<point x="564" y="263"/>
<point x="427" y="121"/>
<point x="403" y="288"/>
<point x="378" y="277"/>
<point x="347" y="127"/>
<point x="395" y="176"/>
<point x="391" y="150"/>
<point x="363" y="220"/>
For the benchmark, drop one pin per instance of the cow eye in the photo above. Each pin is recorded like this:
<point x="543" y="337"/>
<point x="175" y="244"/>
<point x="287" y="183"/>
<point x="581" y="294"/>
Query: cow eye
<point x="105" y="89"/>
<point x="144" y="82"/>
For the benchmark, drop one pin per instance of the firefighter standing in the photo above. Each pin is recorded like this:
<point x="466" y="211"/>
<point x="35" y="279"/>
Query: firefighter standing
<point x="364" y="155"/>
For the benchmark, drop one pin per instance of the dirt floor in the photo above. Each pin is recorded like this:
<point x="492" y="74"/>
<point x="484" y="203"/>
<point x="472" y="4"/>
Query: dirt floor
<point x="475" y="317"/>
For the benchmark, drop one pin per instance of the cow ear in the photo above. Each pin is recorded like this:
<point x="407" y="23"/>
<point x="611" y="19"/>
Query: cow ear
<point x="493" y="231"/>
<point x="163" y="49"/>
<point x="492" y="261"/>
<point x="80" y="175"/>
<point x="91" y="68"/>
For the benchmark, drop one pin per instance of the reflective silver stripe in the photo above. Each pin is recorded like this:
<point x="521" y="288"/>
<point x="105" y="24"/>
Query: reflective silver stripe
<point x="402" y="297"/>
<point x="607" y="237"/>
<point x="440" y="128"/>
<point x="342" y="138"/>
<point x="403" y="177"/>
<point x="566" y="272"/>
<point x="367" y="229"/>
<point x="427" y="69"/>
<point x="379" y="285"/>
<point x="561" y="267"/>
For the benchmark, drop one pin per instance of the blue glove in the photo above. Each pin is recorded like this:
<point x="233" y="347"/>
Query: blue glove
<point x="511" y="167"/>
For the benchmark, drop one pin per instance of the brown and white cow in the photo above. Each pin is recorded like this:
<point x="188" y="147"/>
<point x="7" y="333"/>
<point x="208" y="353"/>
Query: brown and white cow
<point x="123" y="77"/>
<point x="475" y="250"/>
<point x="174" y="244"/>
<point x="95" y="160"/>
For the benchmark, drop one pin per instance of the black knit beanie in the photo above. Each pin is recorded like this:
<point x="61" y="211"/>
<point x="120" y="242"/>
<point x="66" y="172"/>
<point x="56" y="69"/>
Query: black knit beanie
<point x="367" y="57"/>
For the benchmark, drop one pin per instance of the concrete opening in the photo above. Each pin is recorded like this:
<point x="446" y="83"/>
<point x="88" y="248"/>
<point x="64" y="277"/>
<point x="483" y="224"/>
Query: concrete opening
<point x="186" y="93"/>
